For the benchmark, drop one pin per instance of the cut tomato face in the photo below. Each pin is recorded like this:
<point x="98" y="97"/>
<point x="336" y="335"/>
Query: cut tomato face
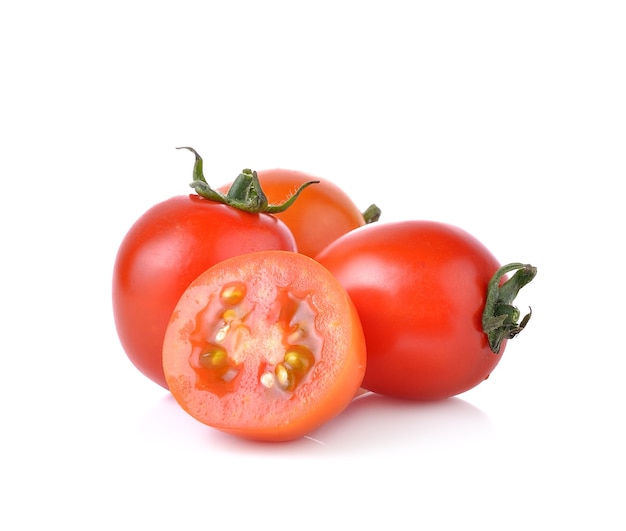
<point x="266" y="346"/>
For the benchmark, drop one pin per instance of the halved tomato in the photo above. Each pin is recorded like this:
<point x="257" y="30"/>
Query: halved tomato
<point x="265" y="345"/>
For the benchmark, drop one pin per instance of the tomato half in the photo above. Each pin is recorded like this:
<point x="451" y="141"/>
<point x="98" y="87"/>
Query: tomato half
<point x="266" y="346"/>
<point x="320" y="215"/>
<point x="167" y="248"/>
<point x="420" y="289"/>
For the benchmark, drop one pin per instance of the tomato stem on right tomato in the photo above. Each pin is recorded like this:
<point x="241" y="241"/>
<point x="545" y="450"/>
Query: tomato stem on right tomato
<point x="500" y="317"/>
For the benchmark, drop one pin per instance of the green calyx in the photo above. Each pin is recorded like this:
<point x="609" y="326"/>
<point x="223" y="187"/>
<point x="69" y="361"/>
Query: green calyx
<point x="500" y="317"/>
<point x="244" y="194"/>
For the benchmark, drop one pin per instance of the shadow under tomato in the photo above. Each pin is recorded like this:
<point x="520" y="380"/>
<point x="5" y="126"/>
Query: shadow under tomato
<point x="370" y="423"/>
<point x="376" y="421"/>
<point x="168" y="424"/>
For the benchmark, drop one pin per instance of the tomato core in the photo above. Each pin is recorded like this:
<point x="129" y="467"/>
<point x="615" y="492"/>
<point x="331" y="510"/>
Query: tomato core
<point x="228" y="328"/>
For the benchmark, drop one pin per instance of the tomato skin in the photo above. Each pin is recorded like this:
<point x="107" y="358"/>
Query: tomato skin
<point x="420" y="289"/>
<point x="163" y="252"/>
<point x="320" y="214"/>
<point x="253" y="309"/>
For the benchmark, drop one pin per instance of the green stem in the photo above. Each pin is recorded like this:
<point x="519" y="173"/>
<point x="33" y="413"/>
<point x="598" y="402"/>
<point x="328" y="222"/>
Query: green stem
<point x="244" y="194"/>
<point x="371" y="214"/>
<point x="500" y="317"/>
<point x="274" y="209"/>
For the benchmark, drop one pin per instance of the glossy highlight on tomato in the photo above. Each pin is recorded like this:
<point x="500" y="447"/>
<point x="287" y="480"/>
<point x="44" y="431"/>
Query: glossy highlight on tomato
<point x="164" y="251"/>
<point x="265" y="346"/>
<point x="420" y="288"/>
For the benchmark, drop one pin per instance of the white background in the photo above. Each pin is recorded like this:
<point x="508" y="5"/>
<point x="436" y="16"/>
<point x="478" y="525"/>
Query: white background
<point x="505" y="118"/>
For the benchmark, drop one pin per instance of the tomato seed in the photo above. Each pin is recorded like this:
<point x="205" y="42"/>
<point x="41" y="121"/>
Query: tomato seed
<point x="285" y="377"/>
<point x="213" y="358"/>
<point x="233" y="293"/>
<point x="296" y="334"/>
<point x="229" y="315"/>
<point x="267" y="379"/>
<point x="299" y="360"/>
<point x="221" y="333"/>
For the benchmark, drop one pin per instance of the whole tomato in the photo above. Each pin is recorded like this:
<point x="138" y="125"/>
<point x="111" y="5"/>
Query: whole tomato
<point x="434" y="303"/>
<point x="174" y="242"/>
<point x="324" y="212"/>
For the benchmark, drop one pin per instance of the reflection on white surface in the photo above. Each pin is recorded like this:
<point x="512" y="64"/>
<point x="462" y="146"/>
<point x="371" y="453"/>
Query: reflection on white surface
<point x="376" y="422"/>
<point x="372" y="423"/>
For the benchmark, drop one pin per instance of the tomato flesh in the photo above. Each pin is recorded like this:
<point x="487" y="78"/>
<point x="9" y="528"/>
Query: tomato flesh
<point x="164" y="251"/>
<point x="419" y="288"/>
<point x="266" y="346"/>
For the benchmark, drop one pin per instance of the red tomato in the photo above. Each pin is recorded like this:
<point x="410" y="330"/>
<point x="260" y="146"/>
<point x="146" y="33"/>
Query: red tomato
<point x="420" y="289"/>
<point x="266" y="346"/>
<point x="320" y="215"/>
<point x="167" y="248"/>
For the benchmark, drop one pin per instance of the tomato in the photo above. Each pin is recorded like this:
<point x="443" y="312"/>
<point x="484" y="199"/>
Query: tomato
<point x="322" y="214"/>
<point x="420" y="289"/>
<point x="167" y="248"/>
<point x="266" y="346"/>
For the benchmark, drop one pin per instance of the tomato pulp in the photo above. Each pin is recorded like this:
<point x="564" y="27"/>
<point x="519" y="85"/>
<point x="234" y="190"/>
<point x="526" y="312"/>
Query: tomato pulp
<point x="266" y="346"/>
<point x="166" y="249"/>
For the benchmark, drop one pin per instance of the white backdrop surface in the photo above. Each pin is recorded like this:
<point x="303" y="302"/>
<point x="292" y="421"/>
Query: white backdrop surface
<point x="505" y="118"/>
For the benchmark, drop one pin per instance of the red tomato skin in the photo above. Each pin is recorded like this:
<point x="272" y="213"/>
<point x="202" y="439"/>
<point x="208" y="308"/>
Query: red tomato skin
<point x="320" y="214"/>
<point x="163" y="252"/>
<point x="419" y="288"/>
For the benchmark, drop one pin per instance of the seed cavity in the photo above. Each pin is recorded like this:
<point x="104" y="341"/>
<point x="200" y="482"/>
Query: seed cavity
<point x="229" y="374"/>
<point x="296" y="334"/>
<point x="291" y="322"/>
